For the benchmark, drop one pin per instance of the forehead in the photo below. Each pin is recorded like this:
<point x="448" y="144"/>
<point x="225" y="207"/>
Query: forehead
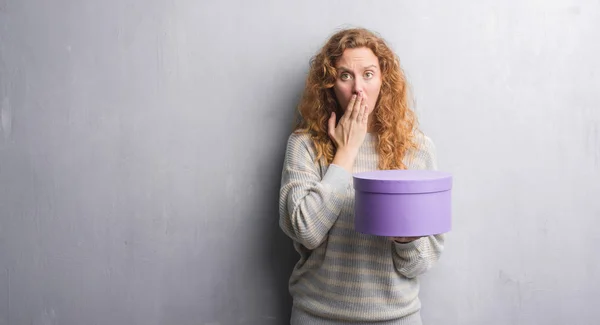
<point x="357" y="58"/>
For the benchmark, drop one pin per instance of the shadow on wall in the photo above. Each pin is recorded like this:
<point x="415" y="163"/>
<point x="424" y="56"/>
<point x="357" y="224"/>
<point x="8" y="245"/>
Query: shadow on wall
<point x="282" y="255"/>
<point x="278" y="248"/>
<point x="283" y="259"/>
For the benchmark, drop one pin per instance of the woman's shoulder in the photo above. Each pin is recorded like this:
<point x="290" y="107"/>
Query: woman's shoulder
<point x="424" y="142"/>
<point x="300" y="141"/>
<point x="299" y="136"/>
<point x="425" y="154"/>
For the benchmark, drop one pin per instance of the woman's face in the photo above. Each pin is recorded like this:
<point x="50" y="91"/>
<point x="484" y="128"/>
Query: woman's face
<point x="358" y="71"/>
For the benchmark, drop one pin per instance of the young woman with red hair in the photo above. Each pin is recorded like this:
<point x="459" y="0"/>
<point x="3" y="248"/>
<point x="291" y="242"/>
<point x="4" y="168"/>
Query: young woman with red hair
<point x="354" y="116"/>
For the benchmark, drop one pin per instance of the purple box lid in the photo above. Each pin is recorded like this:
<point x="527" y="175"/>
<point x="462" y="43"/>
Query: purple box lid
<point x="402" y="181"/>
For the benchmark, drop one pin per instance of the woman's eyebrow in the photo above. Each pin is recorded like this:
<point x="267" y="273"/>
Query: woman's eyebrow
<point x="365" y="68"/>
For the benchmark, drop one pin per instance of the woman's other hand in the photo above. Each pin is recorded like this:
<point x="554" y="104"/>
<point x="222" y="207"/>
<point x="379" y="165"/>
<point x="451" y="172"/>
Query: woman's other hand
<point x="404" y="240"/>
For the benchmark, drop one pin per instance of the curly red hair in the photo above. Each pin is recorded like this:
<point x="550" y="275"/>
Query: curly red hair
<point x="394" y="122"/>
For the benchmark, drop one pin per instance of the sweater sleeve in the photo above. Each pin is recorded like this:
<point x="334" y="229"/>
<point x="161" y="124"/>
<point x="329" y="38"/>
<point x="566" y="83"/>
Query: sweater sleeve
<point x="417" y="257"/>
<point x="308" y="204"/>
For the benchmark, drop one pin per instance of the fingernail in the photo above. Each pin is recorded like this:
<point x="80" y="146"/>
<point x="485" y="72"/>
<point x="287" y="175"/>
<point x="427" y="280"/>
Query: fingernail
<point x="353" y="96"/>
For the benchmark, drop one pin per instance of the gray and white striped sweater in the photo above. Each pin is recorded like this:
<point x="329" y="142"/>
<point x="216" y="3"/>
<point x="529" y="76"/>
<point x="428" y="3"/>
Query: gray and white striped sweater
<point x="342" y="275"/>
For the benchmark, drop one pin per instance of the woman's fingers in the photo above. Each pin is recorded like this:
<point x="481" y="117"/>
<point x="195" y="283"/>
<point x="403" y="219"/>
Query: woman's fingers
<point x="361" y="113"/>
<point x="357" y="106"/>
<point x="364" y="114"/>
<point x="332" y="125"/>
<point x="350" y="130"/>
<point x="350" y="108"/>
<point x="405" y="240"/>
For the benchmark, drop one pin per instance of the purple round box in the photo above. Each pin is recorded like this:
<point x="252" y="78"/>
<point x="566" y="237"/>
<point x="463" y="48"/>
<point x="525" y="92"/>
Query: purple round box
<point x="402" y="203"/>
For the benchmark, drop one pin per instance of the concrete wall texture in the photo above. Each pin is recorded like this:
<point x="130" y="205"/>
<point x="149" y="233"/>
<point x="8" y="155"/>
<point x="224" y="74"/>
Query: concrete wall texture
<point x="141" y="147"/>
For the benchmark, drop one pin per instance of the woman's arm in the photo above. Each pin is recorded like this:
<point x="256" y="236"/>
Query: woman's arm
<point x="308" y="204"/>
<point x="417" y="257"/>
<point x="414" y="258"/>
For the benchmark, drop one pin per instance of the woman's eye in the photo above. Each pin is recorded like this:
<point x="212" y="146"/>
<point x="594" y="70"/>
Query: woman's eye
<point x="345" y="76"/>
<point x="369" y="75"/>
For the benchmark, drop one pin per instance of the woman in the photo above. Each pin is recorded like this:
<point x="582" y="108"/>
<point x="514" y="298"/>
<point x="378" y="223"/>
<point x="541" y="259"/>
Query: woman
<point x="354" y="117"/>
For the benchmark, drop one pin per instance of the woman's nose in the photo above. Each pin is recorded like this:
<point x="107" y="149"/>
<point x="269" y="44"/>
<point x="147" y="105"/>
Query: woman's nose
<point x="358" y="87"/>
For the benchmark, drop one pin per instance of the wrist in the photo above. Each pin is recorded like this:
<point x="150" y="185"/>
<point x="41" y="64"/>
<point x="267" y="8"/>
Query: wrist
<point x="345" y="157"/>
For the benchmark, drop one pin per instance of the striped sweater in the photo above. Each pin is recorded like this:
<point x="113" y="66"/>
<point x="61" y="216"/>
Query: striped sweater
<point x="342" y="275"/>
